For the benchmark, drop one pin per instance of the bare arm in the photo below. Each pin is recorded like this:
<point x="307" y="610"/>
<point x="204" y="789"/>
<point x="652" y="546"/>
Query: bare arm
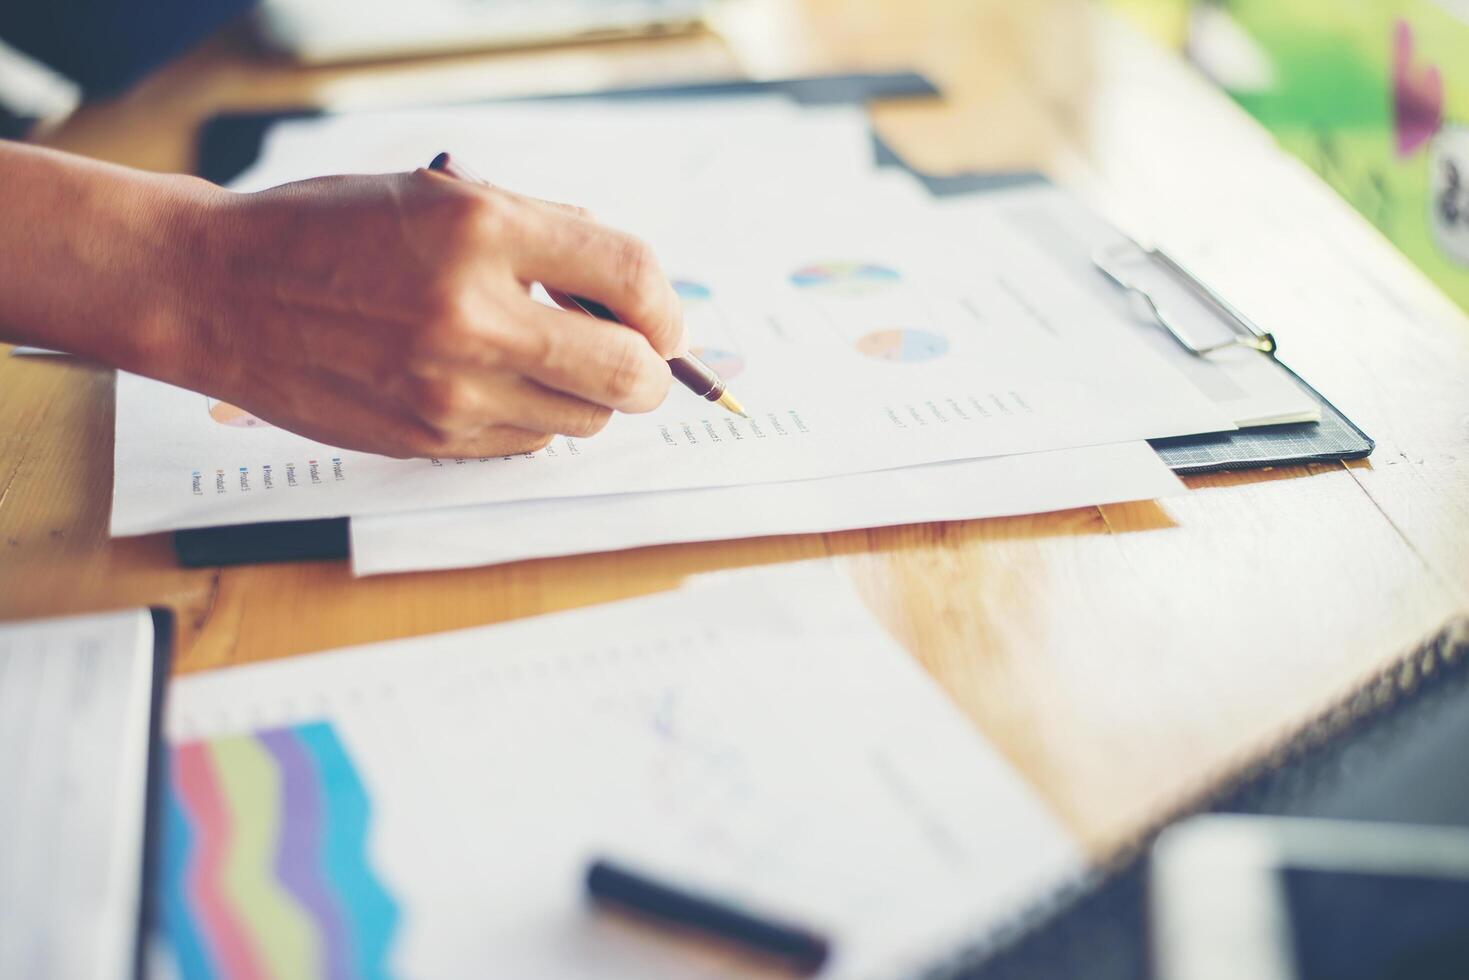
<point x="386" y="313"/>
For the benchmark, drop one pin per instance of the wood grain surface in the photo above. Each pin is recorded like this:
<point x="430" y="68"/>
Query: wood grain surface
<point x="1124" y="657"/>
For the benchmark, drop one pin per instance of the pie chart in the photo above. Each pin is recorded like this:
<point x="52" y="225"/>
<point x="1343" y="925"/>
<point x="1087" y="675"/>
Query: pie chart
<point x="692" y="292"/>
<point x="226" y="414"/>
<point x="726" y="363"/>
<point x="846" y="277"/>
<point x="903" y="345"/>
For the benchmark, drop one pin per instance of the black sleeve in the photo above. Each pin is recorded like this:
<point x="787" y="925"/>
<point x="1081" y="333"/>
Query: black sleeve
<point x="106" y="45"/>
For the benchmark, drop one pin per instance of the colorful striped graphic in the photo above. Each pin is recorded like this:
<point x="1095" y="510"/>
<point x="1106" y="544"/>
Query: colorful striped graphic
<point x="265" y="860"/>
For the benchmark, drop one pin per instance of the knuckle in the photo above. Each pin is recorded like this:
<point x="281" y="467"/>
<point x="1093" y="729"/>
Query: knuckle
<point x="475" y="208"/>
<point x="424" y="444"/>
<point x="535" y="443"/>
<point x="636" y="380"/>
<point x="464" y="217"/>
<point x="498" y="441"/>
<point x="401" y="447"/>
<point x="625" y="372"/>
<point x="649" y="304"/>
<point x="637" y="269"/>
<point x="589" y="421"/>
<point x="444" y="320"/>
<point x="446" y="403"/>
<point x="527" y="340"/>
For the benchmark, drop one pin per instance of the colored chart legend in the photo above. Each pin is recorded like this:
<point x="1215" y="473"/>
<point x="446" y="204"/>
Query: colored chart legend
<point x="265" y="860"/>
<point x="845" y="277"/>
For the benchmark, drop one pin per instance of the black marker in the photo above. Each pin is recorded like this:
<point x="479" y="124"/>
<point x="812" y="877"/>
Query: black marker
<point x="797" y="949"/>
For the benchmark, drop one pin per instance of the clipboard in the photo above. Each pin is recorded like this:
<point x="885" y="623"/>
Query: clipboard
<point x="1335" y="438"/>
<point x="231" y="142"/>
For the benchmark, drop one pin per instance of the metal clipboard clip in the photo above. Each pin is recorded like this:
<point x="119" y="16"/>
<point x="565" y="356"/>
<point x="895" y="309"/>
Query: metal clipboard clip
<point x="1197" y="317"/>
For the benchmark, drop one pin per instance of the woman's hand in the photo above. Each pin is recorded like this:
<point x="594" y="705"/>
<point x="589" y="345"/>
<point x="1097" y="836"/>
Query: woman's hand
<point x="387" y="313"/>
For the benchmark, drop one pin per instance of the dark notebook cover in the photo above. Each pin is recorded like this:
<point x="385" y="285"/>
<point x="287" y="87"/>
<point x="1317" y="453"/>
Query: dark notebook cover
<point x="153" y="822"/>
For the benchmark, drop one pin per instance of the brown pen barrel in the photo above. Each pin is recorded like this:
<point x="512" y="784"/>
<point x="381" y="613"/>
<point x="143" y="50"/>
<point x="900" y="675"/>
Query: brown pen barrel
<point x="697" y="376"/>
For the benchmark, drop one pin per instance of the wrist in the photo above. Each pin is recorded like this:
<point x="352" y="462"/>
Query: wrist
<point x="102" y="261"/>
<point x="171" y="323"/>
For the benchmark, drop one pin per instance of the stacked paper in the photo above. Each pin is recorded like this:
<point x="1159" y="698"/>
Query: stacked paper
<point x="902" y="360"/>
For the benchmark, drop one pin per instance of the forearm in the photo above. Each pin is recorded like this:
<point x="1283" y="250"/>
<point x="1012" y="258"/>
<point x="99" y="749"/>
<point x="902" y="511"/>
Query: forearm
<point x="385" y="313"/>
<point x="94" y="258"/>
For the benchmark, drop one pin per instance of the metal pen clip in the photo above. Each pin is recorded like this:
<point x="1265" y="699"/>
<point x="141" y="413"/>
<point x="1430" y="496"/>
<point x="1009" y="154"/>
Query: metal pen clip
<point x="1127" y="264"/>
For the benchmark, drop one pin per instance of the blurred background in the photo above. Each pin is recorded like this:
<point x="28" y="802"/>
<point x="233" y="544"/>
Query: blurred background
<point x="1373" y="95"/>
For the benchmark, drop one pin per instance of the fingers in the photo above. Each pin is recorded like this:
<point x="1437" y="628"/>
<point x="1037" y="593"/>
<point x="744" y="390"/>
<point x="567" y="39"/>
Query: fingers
<point x="571" y="353"/>
<point x="568" y="253"/>
<point x="461" y="403"/>
<point x="594" y="360"/>
<point x="494" y="440"/>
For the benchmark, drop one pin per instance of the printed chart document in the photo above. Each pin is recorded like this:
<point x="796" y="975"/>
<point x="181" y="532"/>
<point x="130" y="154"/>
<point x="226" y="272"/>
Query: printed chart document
<point x="864" y="331"/>
<point x="827" y="355"/>
<point x="75" y="710"/>
<point x="528" y="147"/>
<point x="429" y="807"/>
<point x="1033" y="483"/>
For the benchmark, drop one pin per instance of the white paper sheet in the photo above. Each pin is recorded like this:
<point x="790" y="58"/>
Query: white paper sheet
<point x="569" y="150"/>
<point x="755" y="734"/>
<point x="925" y="355"/>
<point x="1028" y="484"/>
<point x="179" y="463"/>
<point x="75" y="704"/>
<point x="1248" y="385"/>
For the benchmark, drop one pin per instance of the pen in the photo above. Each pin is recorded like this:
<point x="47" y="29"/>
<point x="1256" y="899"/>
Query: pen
<point x="690" y="372"/>
<point x="797" y="949"/>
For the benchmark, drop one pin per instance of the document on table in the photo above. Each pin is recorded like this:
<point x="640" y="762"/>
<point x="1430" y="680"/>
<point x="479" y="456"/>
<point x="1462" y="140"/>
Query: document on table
<point x="1247" y="384"/>
<point x="428" y="807"/>
<point x="1033" y="483"/>
<point x="700" y="147"/>
<point x="75" y="710"/>
<point x="975" y="366"/>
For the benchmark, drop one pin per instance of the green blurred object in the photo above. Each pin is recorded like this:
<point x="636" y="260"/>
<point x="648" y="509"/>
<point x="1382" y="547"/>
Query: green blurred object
<point x="1373" y="95"/>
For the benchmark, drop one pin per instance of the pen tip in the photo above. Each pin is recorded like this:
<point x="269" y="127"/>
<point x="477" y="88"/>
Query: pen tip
<point x="732" y="403"/>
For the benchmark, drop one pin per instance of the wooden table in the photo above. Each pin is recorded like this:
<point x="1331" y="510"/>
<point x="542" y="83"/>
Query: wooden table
<point x="1124" y="657"/>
